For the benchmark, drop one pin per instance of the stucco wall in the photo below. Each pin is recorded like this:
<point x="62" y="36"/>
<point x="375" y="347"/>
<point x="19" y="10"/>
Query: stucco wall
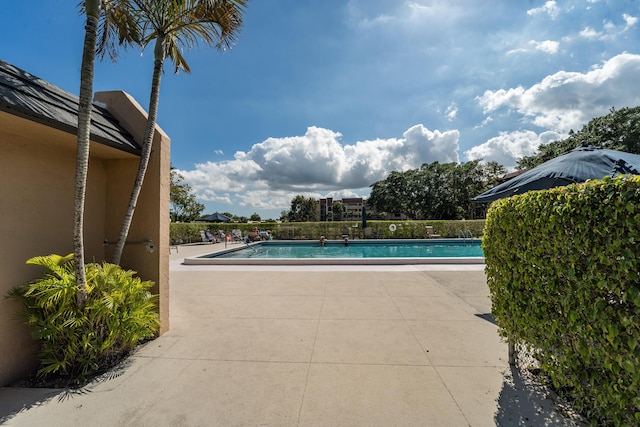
<point x="151" y="218"/>
<point x="37" y="169"/>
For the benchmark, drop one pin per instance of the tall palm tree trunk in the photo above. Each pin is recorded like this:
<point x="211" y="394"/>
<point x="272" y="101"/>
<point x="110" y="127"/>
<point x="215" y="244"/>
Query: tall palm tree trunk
<point x="82" y="157"/>
<point x="154" y="99"/>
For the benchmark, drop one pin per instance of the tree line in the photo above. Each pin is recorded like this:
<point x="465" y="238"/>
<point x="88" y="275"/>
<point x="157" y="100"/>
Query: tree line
<point x="618" y="130"/>
<point x="435" y="190"/>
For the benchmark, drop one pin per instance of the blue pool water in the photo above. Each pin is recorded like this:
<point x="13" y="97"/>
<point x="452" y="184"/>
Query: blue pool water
<point x="356" y="250"/>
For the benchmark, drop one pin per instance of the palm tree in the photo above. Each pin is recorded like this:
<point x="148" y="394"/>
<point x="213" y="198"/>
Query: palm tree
<point x="115" y="23"/>
<point x="172" y="25"/>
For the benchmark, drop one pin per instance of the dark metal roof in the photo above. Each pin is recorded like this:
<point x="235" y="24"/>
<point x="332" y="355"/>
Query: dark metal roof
<point x="27" y="96"/>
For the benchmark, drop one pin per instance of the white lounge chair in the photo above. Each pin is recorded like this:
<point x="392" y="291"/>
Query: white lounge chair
<point x="430" y="233"/>
<point x="236" y="235"/>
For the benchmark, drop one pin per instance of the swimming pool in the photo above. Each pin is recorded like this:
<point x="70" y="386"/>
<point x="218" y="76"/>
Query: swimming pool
<point x="379" y="252"/>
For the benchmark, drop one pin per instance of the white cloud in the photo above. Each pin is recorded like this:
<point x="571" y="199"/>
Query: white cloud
<point x="568" y="100"/>
<point x="508" y="147"/>
<point x="609" y="30"/>
<point x="590" y="34"/>
<point x="550" y="8"/>
<point x="629" y="20"/>
<point x="451" y="112"/>
<point x="484" y="123"/>
<point x="406" y="15"/>
<point x="275" y="170"/>
<point x="547" y="46"/>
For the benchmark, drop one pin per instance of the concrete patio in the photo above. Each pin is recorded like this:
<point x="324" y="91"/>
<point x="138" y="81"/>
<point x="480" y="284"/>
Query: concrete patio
<point x="309" y="346"/>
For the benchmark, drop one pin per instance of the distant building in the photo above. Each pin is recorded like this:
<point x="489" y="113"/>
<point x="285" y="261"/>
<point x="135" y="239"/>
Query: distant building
<point x="326" y="209"/>
<point x="353" y="210"/>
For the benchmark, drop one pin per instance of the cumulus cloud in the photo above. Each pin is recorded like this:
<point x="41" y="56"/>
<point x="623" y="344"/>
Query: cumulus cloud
<point x="568" y="100"/>
<point x="315" y="163"/>
<point x="550" y="8"/>
<point x="547" y="46"/>
<point x="590" y="34"/>
<point x="508" y="147"/>
<point x="629" y="20"/>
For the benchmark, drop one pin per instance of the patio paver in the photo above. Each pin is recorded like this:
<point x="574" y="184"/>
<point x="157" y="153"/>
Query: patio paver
<point x="323" y="346"/>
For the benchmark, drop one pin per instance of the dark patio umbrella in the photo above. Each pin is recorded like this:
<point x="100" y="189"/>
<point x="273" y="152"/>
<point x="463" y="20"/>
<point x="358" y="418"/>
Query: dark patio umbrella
<point x="364" y="218"/>
<point x="578" y="165"/>
<point x="215" y="217"/>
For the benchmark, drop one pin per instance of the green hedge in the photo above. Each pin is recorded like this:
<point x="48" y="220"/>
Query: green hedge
<point x="180" y="232"/>
<point x="562" y="269"/>
<point x="407" y="229"/>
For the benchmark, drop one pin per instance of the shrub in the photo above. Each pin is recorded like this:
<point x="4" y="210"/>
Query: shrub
<point x="563" y="273"/>
<point x="379" y="229"/>
<point x="180" y="232"/>
<point x="79" y="343"/>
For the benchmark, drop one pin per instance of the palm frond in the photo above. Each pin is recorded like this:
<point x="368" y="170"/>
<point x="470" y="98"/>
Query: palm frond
<point x="119" y="26"/>
<point x="119" y="313"/>
<point x="182" y="24"/>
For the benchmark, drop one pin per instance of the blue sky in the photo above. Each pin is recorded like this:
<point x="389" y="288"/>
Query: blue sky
<point x="324" y="98"/>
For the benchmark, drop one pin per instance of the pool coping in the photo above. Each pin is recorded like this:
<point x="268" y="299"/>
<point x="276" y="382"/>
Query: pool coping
<point x="199" y="260"/>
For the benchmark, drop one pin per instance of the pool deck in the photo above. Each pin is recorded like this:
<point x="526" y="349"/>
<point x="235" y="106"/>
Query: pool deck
<point x="402" y="345"/>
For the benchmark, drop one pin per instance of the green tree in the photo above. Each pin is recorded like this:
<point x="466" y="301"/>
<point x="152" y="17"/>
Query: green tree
<point x="389" y="194"/>
<point x="230" y="215"/>
<point x="107" y="20"/>
<point x="434" y="191"/>
<point x="173" y="25"/>
<point x="254" y="217"/>
<point x="304" y="209"/>
<point x="183" y="203"/>
<point x="618" y="130"/>
<point x="493" y="172"/>
<point x="467" y="181"/>
<point x="337" y="211"/>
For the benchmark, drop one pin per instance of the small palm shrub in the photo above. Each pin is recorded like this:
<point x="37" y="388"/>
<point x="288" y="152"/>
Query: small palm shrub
<point x="77" y="343"/>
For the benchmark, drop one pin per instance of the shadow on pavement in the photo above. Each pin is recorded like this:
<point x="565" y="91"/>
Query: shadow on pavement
<point x="486" y="316"/>
<point x="524" y="403"/>
<point x="14" y="400"/>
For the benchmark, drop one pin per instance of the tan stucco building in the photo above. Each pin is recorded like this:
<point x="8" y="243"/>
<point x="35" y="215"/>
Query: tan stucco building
<point x="37" y="167"/>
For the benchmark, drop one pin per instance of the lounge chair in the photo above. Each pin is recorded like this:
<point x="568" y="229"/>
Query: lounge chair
<point x="207" y="238"/>
<point x="431" y="234"/>
<point x="236" y="235"/>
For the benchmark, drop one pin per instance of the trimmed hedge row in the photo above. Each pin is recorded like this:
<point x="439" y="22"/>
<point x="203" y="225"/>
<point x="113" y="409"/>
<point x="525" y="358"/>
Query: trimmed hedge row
<point x="562" y="268"/>
<point x="190" y="232"/>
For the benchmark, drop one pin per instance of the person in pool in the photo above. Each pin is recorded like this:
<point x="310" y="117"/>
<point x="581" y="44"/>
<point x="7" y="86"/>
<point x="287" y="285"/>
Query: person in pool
<point x="346" y="241"/>
<point x="322" y="240"/>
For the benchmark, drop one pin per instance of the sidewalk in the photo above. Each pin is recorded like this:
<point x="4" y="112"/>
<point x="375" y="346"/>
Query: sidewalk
<point x="322" y="346"/>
